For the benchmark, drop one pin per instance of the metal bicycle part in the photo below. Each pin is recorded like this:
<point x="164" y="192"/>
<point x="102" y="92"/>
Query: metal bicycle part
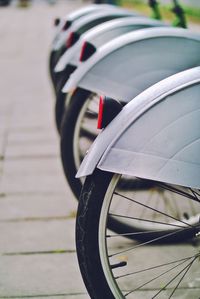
<point x="77" y="134"/>
<point x="113" y="266"/>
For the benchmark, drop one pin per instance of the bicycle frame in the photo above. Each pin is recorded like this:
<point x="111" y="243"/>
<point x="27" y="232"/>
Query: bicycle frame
<point x="127" y="65"/>
<point x="156" y="136"/>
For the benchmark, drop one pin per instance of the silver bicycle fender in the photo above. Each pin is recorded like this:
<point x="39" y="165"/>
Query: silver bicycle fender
<point x="156" y="135"/>
<point x="91" y="16"/>
<point x="85" y="10"/>
<point x="127" y="65"/>
<point x="75" y="15"/>
<point x="103" y="33"/>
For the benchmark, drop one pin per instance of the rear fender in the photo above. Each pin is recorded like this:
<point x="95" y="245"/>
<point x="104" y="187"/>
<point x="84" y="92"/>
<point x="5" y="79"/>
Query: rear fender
<point x="125" y="66"/>
<point x="87" y="9"/>
<point x="156" y="136"/>
<point x="103" y="33"/>
<point x="89" y="20"/>
<point x="75" y="15"/>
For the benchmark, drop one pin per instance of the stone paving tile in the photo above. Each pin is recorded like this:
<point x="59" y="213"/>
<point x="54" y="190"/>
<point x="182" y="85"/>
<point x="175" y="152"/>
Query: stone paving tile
<point x="2" y="145"/>
<point x="19" y="207"/>
<point x="4" y="124"/>
<point x="34" y="165"/>
<point x="32" y="136"/>
<point x="36" y="213"/>
<point x="32" y="120"/>
<point x="40" y="115"/>
<point x="3" y="136"/>
<point x="1" y="169"/>
<point x="40" y="274"/>
<point x="32" y="150"/>
<point x="37" y="236"/>
<point x="32" y="183"/>
<point x="36" y="169"/>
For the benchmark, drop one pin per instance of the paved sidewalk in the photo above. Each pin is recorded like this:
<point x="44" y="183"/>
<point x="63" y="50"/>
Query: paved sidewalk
<point x="37" y="209"/>
<point x="37" y="247"/>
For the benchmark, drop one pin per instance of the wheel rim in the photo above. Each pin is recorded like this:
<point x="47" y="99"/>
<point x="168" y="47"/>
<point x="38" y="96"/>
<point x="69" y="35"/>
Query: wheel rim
<point x="149" y="270"/>
<point x="82" y="140"/>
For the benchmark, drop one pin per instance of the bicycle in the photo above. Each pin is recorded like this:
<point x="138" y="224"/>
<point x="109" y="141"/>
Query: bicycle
<point x="165" y="263"/>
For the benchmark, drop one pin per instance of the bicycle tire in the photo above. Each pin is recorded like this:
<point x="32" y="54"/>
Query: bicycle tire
<point x="60" y="79"/>
<point x="68" y="126"/>
<point x="94" y="262"/>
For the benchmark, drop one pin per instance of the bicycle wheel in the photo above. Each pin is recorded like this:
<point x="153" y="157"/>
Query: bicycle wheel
<point x="53" y="59"/>
<point x="51" y="66"/>
<point x="113" y="266"/>
<point x="78" y="131"/>
<point x="60" y="80"/>
<point x="77" y="134"/>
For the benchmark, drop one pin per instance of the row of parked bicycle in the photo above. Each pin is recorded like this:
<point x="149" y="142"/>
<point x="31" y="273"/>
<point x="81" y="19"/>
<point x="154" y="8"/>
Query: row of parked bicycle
<point x="138" y="80"/>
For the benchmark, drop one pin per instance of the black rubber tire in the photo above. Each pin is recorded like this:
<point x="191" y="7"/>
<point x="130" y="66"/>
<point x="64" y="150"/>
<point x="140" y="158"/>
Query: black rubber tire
<point x="5" y="2"/>
<point x="67" y="135"/>
<point x="60" y="80"/>
<point x="51" y="66"/>
<point x="87" y="235"/>
<point x="53" y="59"/>
<point x="59" y="109"/>
<point x="87" y="243"/>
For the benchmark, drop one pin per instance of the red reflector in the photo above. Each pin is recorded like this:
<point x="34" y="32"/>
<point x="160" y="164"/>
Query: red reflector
<point x="82" y="51"/>
<point x="70" y="40"/>
<point x="100" y="114"/>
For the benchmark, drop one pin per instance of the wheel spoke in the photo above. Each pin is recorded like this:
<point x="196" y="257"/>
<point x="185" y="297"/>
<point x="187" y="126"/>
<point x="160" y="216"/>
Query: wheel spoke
<point x="178" y="191"/>
<point x="154" y="240"/>
<point x="135" y="233"/>
<point x="90" y="114"/>
<point x="88" y="133"/>
<point x="145" y="220"/>
<point x="195" y="194"/>
<point x="156" y="264"/>
<point x="153" y="209"/>
<point x="184" y="271"/>
<point x="162" y="274"/>
<point x="156" y="267"/>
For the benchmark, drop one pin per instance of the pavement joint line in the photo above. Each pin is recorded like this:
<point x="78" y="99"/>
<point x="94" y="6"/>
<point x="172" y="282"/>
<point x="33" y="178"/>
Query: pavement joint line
<point x="44" y="295"/>
<point x="7" y="194"/>
<point x="25" y="142"/>
<point x="44" y="219"/>
<point x="30" y="157"/>
<point x="27" y="129"/>
<point x="57" y="251"/>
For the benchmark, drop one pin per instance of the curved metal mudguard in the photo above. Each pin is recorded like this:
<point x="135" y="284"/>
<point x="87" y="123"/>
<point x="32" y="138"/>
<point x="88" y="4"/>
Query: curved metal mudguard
<point x="156" y="135"/>
<point x="75" y="15"/>
<point x="87" y="9"/>
<point x="103" y="33"/>
<point x="131" y="63"/>
<point x="91" y="19"/>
